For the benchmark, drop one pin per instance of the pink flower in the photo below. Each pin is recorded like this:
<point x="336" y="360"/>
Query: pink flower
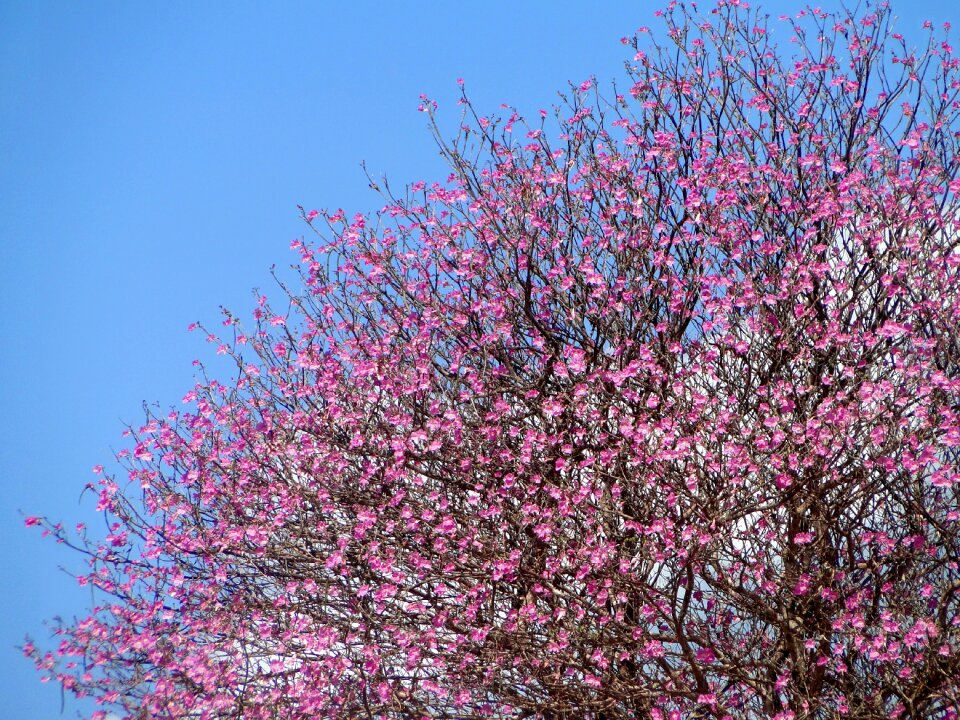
<point x="706" y="655"/>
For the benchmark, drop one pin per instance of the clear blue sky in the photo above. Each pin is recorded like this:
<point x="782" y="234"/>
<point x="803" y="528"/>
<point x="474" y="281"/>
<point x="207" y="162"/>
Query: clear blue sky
<point x="151" y="160"/>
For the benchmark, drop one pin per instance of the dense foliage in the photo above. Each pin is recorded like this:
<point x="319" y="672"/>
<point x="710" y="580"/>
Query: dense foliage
<point x="652" y="410"/>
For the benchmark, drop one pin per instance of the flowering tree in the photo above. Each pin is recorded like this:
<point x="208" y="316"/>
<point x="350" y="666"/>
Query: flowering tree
<point x="649" y="412"/>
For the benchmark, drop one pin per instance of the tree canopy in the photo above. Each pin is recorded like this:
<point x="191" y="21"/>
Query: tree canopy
<point x="650" y="410"/>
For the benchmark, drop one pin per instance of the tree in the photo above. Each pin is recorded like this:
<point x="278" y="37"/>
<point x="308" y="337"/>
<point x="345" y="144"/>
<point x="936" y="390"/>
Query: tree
<point x="651" y="410"/>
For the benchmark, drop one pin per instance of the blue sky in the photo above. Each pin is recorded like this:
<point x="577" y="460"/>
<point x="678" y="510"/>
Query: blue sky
<point x="151" y="160"/>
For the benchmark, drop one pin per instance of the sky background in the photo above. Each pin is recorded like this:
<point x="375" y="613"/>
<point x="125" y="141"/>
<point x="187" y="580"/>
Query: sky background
<point x="151" y="160"/>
